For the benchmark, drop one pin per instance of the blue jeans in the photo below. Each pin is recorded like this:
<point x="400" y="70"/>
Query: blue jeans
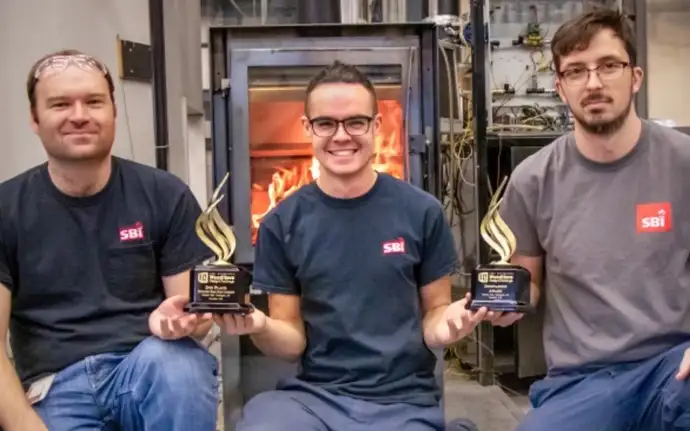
<point x="641" y="396"/>
<point x="298" y="406"/>
<point x="159" y="386"/>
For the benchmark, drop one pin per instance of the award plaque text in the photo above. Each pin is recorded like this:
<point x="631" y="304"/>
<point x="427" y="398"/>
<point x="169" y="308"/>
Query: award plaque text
<point x="501" y="288"/>
<point x="219" y="289"/>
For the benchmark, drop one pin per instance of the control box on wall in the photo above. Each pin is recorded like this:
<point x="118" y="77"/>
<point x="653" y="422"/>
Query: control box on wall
<point x="521" y="73"/>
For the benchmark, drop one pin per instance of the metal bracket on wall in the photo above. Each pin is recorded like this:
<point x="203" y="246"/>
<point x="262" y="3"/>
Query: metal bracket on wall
<point x="418" y="144"/>
<point x="134" y="61"/>
<point x="224" y="88"/>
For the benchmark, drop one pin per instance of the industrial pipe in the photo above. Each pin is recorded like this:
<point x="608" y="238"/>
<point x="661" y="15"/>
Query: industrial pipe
<point x="480" y="108"/>
<point x="441" y="8"/>
<point x="318" y="11"/>
<point x="448" y="7"/>
<point x="159" y="83"/>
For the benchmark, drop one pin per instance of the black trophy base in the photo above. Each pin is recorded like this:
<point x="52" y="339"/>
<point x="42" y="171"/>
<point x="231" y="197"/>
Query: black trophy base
<point x="203" y="308"/>
<point x="502" y="288"/>
<point x="219" y="289"/>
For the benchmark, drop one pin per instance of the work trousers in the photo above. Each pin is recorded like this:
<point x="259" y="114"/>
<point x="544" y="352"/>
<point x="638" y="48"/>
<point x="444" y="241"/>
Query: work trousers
<point x="640" y="396"/>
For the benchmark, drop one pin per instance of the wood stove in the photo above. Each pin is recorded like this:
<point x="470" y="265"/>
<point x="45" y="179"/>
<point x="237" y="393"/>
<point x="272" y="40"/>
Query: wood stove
<point x="259" y="76"/>
<point x="259" y="79"/>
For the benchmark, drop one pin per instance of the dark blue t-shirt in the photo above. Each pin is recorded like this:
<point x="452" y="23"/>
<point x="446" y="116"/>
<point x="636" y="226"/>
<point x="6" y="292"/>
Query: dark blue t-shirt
<point x="86" y="272"/>
<point x="358" y="265"/>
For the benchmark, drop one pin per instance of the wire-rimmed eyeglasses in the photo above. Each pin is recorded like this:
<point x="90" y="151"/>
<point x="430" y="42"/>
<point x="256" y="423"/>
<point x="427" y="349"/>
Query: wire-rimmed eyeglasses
<point x="59" y="63"/>
<point x="609" y="71"/>
<point x="326" y="127"/>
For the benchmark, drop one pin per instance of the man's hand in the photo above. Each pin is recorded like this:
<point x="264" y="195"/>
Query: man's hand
<point x="170" y="322"/>
<point x="237" y="324"/>
<point x="458" y="322"/>
<point x="684" y="368"/>
<point x="503" y="319"/>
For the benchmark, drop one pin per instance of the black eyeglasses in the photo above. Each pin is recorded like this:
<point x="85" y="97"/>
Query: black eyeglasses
<point x="325" y="127"/>
<point x="609" y="71"/>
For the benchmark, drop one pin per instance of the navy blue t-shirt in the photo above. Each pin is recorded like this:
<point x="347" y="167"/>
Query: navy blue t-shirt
<point x="358" y="265"/>
<point x="86" y="272"/>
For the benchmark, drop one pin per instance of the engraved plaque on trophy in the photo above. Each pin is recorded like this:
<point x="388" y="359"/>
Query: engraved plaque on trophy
<point x="218" y="286"/>
<point x="499" y="285"/>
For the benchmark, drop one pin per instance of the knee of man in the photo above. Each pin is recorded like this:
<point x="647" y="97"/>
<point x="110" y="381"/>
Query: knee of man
<point x="271" y="411"/>
<point x="177" y="361"/>
<point x="265" y="401"/>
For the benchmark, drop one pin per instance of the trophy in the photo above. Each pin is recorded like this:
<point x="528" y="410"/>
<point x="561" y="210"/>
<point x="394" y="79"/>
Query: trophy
<point x="499" y="285"/>
<point x="218" y="286"/>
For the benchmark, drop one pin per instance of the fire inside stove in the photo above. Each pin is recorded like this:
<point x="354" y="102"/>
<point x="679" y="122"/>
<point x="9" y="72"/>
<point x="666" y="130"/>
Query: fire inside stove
<point x="281" y="154"/>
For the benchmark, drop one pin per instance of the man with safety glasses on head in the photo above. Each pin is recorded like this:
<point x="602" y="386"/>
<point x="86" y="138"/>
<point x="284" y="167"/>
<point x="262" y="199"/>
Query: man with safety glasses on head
<point x="95" y="253"/>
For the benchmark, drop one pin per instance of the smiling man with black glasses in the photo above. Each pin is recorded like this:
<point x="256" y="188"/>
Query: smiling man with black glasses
<point x="357" y="265"/>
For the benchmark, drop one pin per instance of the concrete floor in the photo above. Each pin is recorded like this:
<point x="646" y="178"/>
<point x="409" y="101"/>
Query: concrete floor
<point x="488" y="406"/>
<point x="491" y="408"/>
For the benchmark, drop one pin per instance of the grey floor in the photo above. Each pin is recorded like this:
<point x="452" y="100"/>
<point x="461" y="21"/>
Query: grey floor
<point x="488" y="406"/>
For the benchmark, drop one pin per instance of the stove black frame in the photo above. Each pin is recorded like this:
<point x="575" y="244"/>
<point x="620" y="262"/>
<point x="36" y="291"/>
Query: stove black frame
<point x="246" y="370"/>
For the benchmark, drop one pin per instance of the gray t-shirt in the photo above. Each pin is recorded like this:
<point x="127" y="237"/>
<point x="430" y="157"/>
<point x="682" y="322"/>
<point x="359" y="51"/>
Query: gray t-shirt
<point x="615" y="243"/>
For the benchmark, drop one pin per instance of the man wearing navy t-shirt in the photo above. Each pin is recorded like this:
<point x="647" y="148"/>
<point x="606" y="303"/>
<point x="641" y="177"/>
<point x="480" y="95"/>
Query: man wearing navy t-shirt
<point x="95" y="253"/>
<point x="357" y="266"/>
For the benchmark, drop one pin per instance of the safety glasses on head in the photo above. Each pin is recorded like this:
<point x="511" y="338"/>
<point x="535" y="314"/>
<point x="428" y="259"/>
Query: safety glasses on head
<point x="59" y="63"/>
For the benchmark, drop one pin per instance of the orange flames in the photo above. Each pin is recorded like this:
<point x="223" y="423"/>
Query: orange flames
<point x="287" y="159"/>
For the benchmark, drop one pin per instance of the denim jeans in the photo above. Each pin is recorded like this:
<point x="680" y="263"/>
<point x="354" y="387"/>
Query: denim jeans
<point x="640" y="396"/>
<point x="159" y="386"/>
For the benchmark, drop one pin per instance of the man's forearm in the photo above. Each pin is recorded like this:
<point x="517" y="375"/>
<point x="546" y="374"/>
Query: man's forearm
<point x="281" y="339"/>
<point x="534" y="293"/>
<point x="431" y="322"/>
<point x="15" y="412"/>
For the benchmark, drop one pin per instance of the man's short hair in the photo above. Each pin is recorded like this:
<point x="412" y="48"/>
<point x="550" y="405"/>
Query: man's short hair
<point x="34" y="72"/>
<point x="577" y="33"/>
<point x="340" y="73"/>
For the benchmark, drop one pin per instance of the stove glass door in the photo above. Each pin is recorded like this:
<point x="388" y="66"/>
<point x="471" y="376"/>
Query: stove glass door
<point x="280" y="153"/>
<point x="271" y="155"/>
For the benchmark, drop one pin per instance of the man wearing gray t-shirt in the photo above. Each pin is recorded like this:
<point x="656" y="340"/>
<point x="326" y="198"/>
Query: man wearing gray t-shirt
<point x="602" y="222"/>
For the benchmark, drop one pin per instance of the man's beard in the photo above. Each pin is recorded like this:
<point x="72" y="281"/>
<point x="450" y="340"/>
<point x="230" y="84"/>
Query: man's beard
<point x="603" y="128"/>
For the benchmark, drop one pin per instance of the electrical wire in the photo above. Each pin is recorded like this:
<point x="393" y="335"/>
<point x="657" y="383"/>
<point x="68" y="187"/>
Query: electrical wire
<point x="458" y="160"/>
<point x="239" y="9"/>
<point x="132" y="147"/>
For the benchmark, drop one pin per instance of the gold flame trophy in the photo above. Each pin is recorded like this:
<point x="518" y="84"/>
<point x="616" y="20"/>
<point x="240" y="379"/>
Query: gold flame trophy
<point x="499" y="285"/>
<point x="218" y="286"/>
